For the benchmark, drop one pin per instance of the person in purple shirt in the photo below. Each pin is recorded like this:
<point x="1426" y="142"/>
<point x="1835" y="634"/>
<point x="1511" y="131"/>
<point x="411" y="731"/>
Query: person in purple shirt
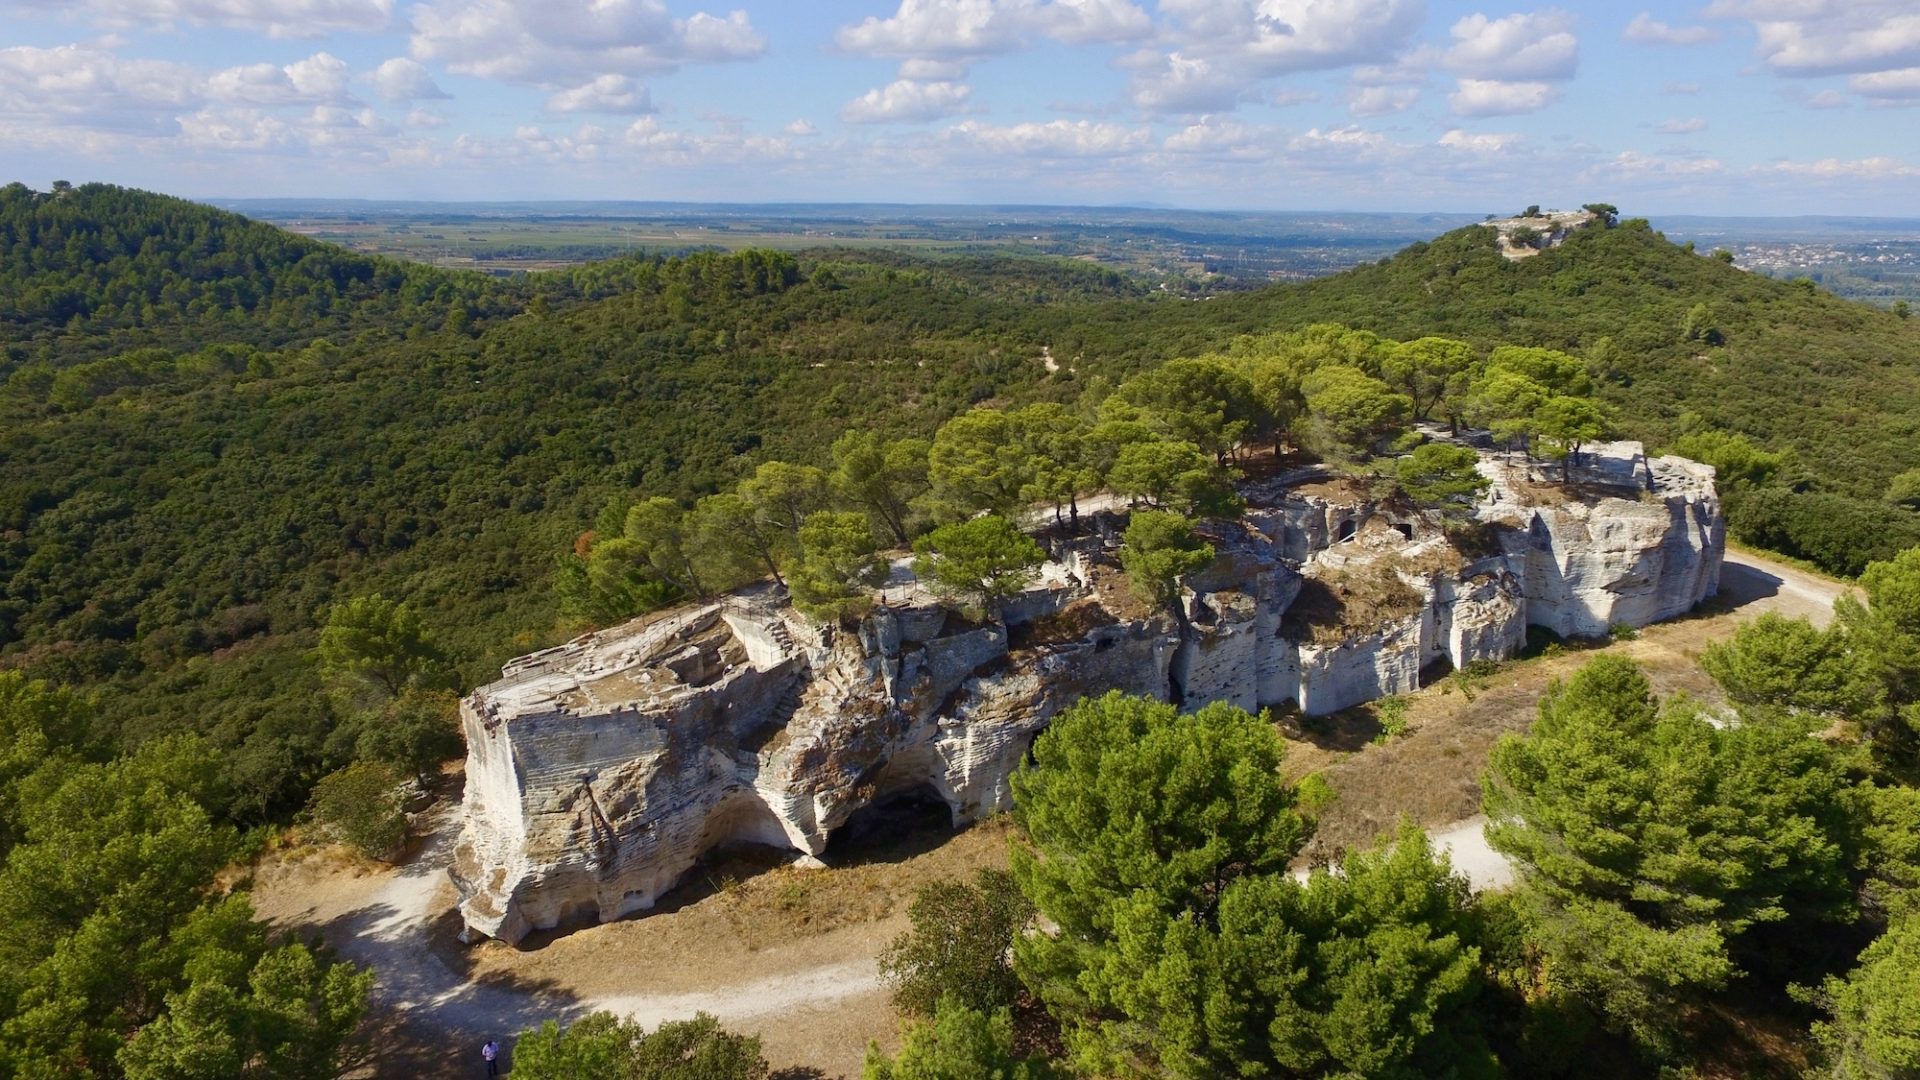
<point x="490" y="1053"/>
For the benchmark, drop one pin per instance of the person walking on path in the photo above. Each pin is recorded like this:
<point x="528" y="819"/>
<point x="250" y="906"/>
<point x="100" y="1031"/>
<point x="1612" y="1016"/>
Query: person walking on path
<point x="490" y="1053"/>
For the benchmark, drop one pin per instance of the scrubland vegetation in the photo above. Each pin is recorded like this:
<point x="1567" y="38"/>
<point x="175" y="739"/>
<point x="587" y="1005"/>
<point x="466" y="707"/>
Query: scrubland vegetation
<point x="266" y="505"/>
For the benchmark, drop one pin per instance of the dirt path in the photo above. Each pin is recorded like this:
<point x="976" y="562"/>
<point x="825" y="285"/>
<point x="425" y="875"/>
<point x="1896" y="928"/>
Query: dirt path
<point x="779" y="952"/>
<point x="788" y="954"/>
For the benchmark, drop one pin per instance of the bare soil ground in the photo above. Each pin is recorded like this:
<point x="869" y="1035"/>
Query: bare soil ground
<point x="773" y="950"/>
<point x="788" y="954"/>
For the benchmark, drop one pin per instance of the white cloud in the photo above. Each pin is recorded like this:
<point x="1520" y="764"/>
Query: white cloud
<point x="1828" y="99"/>
<point x="1479" y="142"/>
<point x="401" y="80"/>
<point x="1829" y="37"/>
<point x="921" y="69"/>
<point x="801" y="129"/>
<point x="1347" y="149"/>
<point x="1517" y="48"/>
<point x="965" y="29"/>
<point x="277" y="18"/>
<point x="1287" y="98"/>
<point x="232" y="129"/>
<point x="604" y="94"/>
<point x="1052" y="139"/>
<point x="1632" y="163"/>
<point x="1873" y="168"/>
<point x="319" y="79"/>
<point x="82" y="85"/>
<point x="1276" y="37"/>
<point x="1647" y="30"/>
<point x="1220" y="138"/>
<point x="1088" y="22"/>
<point x="905" y="100"/>
<point x="1688" y="126"/>
<point x="1186" y="84"/>
<point x="425" y="118"/>
<point x="556" y="43"/>
<point x="1381" y="100"/>
<point x="1487" y="97"/>
<point x="1220" y="50"/>
<point x="1902" y="84"/>
<point x="1408" y="70"/>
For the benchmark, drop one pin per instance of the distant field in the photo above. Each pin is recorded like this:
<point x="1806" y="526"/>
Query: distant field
<point x="1877" y="260"/>
<point x="1198" y="248"/>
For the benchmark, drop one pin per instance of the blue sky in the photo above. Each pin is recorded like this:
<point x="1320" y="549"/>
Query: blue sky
<point x="1731" y="106"/>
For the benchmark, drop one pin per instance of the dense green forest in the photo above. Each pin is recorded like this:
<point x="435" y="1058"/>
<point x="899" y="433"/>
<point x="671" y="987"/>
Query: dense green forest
<point x="217" y="439"/>
<point x="187" y="488"/>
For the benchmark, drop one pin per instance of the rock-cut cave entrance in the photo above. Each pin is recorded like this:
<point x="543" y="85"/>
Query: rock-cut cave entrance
<point x="898" y="825"/>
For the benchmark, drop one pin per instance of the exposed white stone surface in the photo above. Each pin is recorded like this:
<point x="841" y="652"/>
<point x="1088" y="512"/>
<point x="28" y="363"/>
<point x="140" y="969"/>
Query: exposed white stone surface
<point x="600" y="772"/>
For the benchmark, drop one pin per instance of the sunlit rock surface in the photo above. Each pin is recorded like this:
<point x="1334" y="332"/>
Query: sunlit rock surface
<point x="600" y="772"/>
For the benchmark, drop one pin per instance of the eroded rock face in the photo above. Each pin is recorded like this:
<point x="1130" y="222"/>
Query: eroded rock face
<point x="600" y="772"/>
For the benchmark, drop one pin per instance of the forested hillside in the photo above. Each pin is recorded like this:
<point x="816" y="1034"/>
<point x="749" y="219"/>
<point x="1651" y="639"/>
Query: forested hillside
<point x="214" y="430"/>
<point x="217" y="439"/>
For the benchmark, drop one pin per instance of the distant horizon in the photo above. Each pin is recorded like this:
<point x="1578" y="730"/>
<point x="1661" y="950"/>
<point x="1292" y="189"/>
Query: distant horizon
<point x="800" y="204"/>
<point x="1750" y="109"/>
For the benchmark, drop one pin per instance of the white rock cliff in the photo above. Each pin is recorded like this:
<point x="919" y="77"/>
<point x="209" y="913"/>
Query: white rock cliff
<point x="601" y="771"/>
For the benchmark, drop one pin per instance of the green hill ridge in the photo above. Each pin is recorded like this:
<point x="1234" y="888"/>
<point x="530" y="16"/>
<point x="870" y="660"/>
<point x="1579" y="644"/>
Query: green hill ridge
<point x="186" y="492"/>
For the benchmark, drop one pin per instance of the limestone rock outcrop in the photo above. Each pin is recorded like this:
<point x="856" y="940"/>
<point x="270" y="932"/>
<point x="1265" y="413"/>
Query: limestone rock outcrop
<point x="601" y="771"/>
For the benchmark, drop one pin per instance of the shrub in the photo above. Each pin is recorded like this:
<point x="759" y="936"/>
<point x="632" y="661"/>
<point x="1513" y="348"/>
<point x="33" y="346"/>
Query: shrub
<point x="361" y="806"/>
<point x="1391" y="712"/>
<point x="959" y="1043"/>
<point x="957" y="945"/>
<point x="602" y="1046"/>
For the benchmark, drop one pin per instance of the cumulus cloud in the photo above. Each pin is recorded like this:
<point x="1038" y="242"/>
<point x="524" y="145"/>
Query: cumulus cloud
<point x="1222" y="49"/>
<point x="88" y="99"/>
<point x="603" y="94"/>
<point x="1902" y="84"/>
<point x="966" y="29"/>
<point x="1828" y="99"/>
<point x="1872" y="168"/>
<point x="801" y="129"/>
<point x="1489" y="97"/>
<point x="1477" y="142"/>
<point x="1381" y="100"/>
<point x="1688" y="126"/>
<point x="1809" y="37"/>
<point x="232" y="129"/>
<point x="1186" y="84"/>
<point x="1647" y="30"/>
<point x="401" y="80"/>
<point x="1632" y="164"/>
<point x="554" y="43"/>
<point x="1342" y="150"/>
<point x="905" y="100"/>
<point x="1052" y="139"/>
<point x="1220" y="138"/>
<point x="1517" y="48"/>
<point x="319" y="79"/>
<point x="83" y="85"/>
<point x="277" y="18"/>
<point x="921" y="69"/>
<point x="1276" y="37"/>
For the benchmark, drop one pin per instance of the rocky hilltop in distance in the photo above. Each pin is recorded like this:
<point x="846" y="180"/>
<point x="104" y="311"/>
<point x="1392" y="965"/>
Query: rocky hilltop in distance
<point x="1525" y="235"/>
<point x="601" y="771"/>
